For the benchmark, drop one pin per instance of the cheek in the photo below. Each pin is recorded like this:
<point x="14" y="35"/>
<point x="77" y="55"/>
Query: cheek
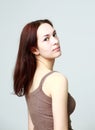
<point x="45" y="48"/>
<point x="45" y="51"/>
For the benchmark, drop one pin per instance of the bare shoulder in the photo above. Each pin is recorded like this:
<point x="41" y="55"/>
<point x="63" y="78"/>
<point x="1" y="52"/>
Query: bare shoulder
<point x="57" y="78"/>
<point x="57" y="82"/>
<point x="59" y="75"/>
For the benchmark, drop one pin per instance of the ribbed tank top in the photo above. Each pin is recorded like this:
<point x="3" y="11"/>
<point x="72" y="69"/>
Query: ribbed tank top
<point x="40" y="108"/>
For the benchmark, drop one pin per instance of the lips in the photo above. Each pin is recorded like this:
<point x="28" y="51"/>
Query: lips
<point x="57" y="48"/>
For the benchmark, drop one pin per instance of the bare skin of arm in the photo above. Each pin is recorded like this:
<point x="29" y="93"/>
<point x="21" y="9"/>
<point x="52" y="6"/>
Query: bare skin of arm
<point x="59" y="94"/>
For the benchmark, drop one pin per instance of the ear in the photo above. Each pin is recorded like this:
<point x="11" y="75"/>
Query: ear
<point x="35" y="51"/>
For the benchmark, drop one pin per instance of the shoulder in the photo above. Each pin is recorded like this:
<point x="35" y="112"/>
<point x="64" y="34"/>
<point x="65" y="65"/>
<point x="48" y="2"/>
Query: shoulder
<point x="58" y="75"/>
<point x="57" y="82"/>
<point x="57" y="78"/>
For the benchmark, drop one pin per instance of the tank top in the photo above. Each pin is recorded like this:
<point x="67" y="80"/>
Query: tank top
<point x="40" y="108"/>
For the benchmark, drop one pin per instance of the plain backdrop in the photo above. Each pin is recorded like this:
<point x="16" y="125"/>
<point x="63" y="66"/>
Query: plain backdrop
<point x="74" y="21"/>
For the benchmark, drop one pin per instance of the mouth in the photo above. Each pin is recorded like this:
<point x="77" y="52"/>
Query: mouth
<point x="57" y="48"/>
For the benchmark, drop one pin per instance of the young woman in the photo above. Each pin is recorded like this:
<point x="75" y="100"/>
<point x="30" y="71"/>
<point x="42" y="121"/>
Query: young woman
<point x="46" y="91"/>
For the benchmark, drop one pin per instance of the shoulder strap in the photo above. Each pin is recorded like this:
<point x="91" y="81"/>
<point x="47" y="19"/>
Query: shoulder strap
<point x="42" y="81"/>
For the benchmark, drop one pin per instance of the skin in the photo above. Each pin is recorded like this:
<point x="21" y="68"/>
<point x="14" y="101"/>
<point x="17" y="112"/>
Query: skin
<point x="56" y="84"/>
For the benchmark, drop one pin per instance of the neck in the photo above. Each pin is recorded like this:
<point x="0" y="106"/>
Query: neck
<point x="45" y="64"/>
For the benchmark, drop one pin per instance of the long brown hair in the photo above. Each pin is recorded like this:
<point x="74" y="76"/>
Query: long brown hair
<point x="26" y="62"/>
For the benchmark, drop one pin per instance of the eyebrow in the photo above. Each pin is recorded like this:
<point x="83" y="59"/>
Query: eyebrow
<point x="49" y="34"/>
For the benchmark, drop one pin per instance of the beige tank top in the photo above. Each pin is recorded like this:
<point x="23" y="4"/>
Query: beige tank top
<point x="40" y="108"/>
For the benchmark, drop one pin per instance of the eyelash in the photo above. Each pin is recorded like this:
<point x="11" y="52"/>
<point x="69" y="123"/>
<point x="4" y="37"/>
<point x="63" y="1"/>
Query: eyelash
<point x="55" y="34"/>
<point x="47" y="38"/>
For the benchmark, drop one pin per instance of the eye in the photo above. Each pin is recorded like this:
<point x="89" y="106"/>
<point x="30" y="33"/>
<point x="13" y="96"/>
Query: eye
<point x="54" y="34"/>
<point x="46" y="39"/>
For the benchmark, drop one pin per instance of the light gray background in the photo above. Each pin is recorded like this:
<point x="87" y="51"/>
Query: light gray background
<point x="74" y="21"/>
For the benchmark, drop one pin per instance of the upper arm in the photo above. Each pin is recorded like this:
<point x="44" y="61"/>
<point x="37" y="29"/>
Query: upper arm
<point x="30" y="124"/>
<point x="59" y="94"/>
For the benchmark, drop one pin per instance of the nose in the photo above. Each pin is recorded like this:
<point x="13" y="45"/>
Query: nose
<point x="54" y="40"/>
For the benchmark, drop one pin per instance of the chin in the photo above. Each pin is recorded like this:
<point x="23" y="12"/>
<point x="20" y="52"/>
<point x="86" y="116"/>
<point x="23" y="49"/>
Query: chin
<point x="58" y="55"/>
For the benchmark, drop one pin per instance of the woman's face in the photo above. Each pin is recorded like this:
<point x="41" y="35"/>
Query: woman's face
<point x="48" y="42"/>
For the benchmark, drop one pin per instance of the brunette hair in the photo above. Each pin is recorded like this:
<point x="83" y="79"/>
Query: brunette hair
<point x="26" y="62"/>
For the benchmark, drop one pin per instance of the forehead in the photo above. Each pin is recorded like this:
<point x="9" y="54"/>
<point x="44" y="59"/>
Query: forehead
<point x="44" y="29"/>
